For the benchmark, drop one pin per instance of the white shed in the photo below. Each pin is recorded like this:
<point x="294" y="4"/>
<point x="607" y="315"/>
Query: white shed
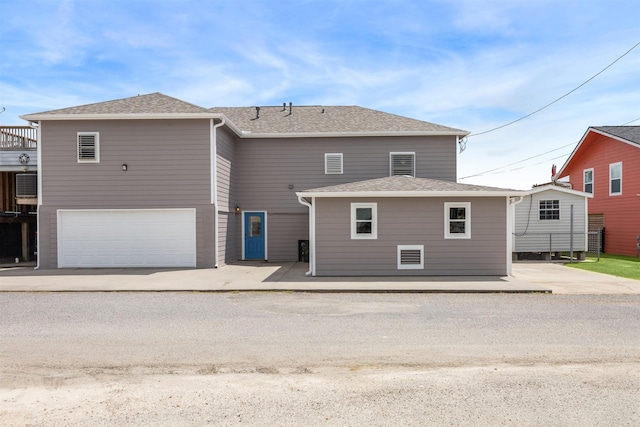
<point x="551" y="219"/>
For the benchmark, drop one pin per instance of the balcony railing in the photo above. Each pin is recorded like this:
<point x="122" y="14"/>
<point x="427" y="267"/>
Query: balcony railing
<point x="18" y="138"/>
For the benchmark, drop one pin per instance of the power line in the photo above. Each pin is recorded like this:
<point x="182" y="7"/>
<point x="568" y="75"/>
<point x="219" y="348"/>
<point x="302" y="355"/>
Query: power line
<point x="557" y="99"/>
<point x="519" y="161"/>
<point x="488" y="172"/>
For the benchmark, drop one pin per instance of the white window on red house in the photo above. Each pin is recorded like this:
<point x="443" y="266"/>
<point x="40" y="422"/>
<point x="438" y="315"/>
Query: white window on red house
<point x="615" y="179"/>
<point x="588" y="181"/>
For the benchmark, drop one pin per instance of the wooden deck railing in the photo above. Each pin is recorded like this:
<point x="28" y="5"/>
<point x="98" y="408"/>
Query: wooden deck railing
<point x="18" y="138"/>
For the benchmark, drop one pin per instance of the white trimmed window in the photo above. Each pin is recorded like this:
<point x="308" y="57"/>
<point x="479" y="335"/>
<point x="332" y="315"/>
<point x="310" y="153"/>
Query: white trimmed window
<point x="549" y="210"/>
<point x="457" y="220"/>
<point x="615" y="179"/>
<point x="410" y="257"/>
<point x="364" y="221"/>
<point x="88" y="147"/>
<point x="333" y="163"/>
<point x="402" y="164"/>
<point x="588" y="181"/>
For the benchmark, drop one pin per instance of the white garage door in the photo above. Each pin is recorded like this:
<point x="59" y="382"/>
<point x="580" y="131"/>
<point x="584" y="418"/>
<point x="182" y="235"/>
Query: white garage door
<point x="127" y="238"/>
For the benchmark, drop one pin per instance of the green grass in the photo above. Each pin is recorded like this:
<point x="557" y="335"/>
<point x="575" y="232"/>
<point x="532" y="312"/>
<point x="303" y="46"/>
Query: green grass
<point x="615" y="265"/>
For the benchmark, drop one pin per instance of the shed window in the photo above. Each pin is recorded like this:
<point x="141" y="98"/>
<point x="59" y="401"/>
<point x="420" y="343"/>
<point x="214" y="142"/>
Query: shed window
<point x="457" y="220"/>
<point x="402" y="164"/>
<point x="588" y="181"/>
<point x="88" y="147"/>
<point x="549" y="210"/>
<point x="410" y="257"/>
<point x="364" y="222"/>
<point x="615" y="179"/>
<point x="333" y="163"/>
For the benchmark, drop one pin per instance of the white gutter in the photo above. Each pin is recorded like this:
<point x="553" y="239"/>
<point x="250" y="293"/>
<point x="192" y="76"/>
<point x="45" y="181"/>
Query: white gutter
<point x="39" y="149"/>
<point x="391" y="193"/>
<point x="312" y="235"/>
<point x="214" y="183"/>
<point x="249" y="134"/>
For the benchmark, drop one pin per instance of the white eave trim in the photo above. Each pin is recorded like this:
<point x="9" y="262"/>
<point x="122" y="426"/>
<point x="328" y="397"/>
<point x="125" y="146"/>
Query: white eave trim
<point x="119" y="116"/>
<point x="584" y="137"/>
<point x="558" y="188"/>
<point x="373" y="194"/>
<point x="249" y="134"/>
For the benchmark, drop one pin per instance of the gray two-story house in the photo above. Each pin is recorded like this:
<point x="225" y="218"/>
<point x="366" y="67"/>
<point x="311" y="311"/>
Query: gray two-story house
<point x="155" y="181"/>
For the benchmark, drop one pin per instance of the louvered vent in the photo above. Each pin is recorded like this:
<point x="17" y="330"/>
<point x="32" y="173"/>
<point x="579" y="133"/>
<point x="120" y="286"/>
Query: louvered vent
<point x="27" y="185"/>
<point x="403" y="164"/>
<point x="88" y="147"/>
<point x="410" y="257"/>
<point x="333" y="163"/>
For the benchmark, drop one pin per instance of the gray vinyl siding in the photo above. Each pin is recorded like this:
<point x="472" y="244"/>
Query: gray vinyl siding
<point x="284" y="230"/>
<point x="226" y="164"/>
<point x="228" y="219"/>
<point x="533" y="235"/>
<point x="168" y="167"/>
<point x="168" y="164"/>
<point x="411" y="221"/>
<point x="266" y="168"/>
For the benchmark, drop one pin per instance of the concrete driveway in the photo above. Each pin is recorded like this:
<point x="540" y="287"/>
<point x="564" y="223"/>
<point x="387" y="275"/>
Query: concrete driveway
<point x="290" y="276"/>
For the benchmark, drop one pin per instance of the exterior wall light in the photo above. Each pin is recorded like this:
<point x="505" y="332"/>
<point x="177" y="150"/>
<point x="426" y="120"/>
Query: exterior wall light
<point x="125" y="167"/>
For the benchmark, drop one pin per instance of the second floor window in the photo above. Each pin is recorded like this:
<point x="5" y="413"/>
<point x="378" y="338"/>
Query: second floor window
<point x="588" y="181"/>
<point x="402" y="164"/>
<point x="615" y="179"/>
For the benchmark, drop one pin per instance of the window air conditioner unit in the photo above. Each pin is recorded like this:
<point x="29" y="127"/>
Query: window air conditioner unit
<point x="26" y="185"/>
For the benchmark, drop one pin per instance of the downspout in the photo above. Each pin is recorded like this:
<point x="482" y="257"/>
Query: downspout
<point x="214" y="184"/>
<point x="39" y="150"/>
<point x="511" y="212"/>
<point x="312" y="234"/>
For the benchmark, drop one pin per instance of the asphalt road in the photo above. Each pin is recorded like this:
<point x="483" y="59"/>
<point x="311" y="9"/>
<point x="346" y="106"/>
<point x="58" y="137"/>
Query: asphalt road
<point x="319" y="359"/>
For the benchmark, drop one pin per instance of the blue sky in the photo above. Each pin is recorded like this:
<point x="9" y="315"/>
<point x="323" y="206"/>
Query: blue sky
<point x="468" y="64"/>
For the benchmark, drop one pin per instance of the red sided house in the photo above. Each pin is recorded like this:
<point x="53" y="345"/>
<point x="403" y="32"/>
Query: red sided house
<point x="606" y="163"/>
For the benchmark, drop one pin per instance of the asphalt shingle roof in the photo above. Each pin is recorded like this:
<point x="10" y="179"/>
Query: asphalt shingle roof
<point x="404" y="184"/>
<point x="629" y="133"/>
<point x="295" y="120"/>
<point x="325" y="119"/>
<point x="153" y="103"/>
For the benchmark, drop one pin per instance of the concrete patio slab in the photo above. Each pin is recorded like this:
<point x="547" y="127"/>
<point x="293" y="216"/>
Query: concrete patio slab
<point x="242" y="276"/>
<point x="290" y="276"/>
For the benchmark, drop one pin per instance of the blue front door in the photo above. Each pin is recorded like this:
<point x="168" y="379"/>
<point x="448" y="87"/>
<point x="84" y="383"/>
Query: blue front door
<point x="254" y="229"/>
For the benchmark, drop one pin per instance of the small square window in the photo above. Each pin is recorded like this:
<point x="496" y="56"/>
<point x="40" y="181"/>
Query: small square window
<point x="457" y="220"/>
<point x="549" y="210"/>
<point x="364" y="221"/>
<point x="88" y="146"/>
